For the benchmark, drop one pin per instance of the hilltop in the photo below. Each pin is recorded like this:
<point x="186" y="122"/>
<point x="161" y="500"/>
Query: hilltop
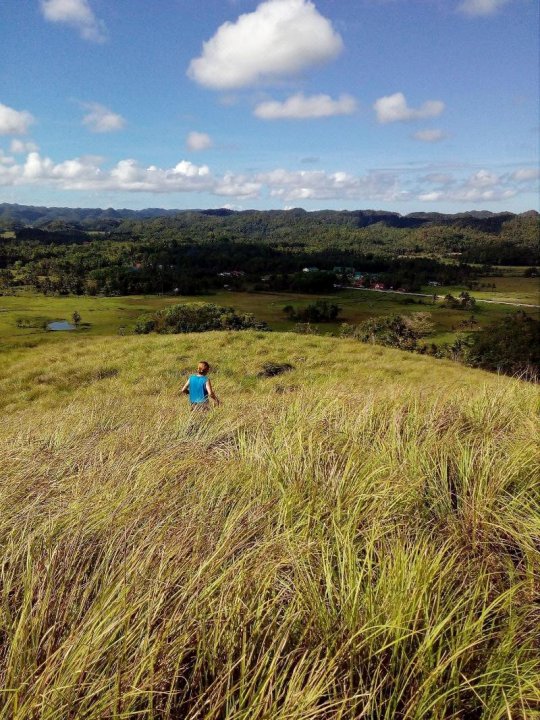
<point x="356" y="537"/>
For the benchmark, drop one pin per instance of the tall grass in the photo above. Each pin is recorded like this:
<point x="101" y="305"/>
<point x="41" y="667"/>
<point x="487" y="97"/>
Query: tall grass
<point x="355" y="539"/>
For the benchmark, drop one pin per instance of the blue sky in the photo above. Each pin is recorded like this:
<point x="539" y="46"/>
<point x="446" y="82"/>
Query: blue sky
<point x="406" y="105"/>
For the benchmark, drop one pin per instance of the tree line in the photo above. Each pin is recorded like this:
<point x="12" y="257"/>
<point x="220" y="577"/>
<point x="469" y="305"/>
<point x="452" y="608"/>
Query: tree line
<point x="185" y="253"/>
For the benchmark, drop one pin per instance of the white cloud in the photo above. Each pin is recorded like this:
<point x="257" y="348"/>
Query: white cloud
<point x="429" y="136"/>
<point x="19" y="146"/>
<point x="76" y="13"/>
<point x="102" y="120"/>
<point x="280" y="38"/>
<point x="36" y="167"/>
<point x="289" y="187"/>
<point x="299" y="107"/>
<point x="482" y="186"/>
<point x="184" y="176"/>
<point x="232" y="185"/>
<point x="476" y="8"/>
<point x="483" y="179"/>
<point x="196" y="141"/>
<point x="85" y="173"/>
<point x="394" y="108"/>
<point x="9" y="171"/>
<point x="431" y="196"/>
<point x="525" y="174"/>
<point x="471" y="195"/>
<point x="14" y="122"/>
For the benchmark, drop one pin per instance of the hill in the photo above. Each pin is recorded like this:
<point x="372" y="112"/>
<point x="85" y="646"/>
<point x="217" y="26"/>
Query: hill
<point x="356" y="537"/>
<point x="16" y="216"/>
<point x="92" y="252"/>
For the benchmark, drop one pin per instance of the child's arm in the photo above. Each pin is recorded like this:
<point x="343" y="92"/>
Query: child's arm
<point x="211" y="393"/>
<point x="185" y="389"/>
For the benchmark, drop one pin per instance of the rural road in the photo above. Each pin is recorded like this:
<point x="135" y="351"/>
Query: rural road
<point x="439" y="297"/>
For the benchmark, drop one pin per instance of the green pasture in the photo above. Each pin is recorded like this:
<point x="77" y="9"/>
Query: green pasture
<point x="508" y="288"/>
<point x="23" y="315"/>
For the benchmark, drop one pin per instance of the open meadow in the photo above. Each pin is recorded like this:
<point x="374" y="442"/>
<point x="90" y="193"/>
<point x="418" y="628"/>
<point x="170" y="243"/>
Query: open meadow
<point x="507" y="288"/>
<point x="354" y="538"/>
<point x="24" y="313"/>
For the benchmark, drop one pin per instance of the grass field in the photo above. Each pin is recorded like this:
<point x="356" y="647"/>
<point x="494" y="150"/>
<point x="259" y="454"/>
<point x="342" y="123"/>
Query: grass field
<point x="355" y="538"/>
<point x="114" y="315"/>
<point x="507" y="289"/>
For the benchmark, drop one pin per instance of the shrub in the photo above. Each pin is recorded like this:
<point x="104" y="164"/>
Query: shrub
<point x="463" y="302"/>
<point x="420" y="323"/>
<point x="389" y="330"/>
<point x="401" y="331"/>
<point x="319" y="311"/>
<point x="144" y="324"/>
<point x="196" y="317"/>
<point x="511" y="346"/>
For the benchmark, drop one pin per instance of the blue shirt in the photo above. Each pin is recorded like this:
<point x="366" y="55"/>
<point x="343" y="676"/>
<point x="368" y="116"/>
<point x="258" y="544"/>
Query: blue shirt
<point x="197" y="389"/>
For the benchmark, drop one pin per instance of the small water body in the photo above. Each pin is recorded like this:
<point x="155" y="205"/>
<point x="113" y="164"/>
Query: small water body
<point x="61" y="325"/>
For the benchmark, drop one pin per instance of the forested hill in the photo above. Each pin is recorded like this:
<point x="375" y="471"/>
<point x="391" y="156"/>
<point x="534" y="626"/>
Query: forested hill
<point x="13" y="216"/>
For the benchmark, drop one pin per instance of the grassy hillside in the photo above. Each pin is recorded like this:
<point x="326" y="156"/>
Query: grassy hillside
<point x="356" y="538"/>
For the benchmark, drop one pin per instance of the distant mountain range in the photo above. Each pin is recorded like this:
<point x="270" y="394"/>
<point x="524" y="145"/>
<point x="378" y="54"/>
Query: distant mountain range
<point x="13" y="216"/>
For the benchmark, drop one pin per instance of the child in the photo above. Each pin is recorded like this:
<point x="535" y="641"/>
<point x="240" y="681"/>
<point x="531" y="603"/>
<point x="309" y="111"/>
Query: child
<point x="200" y="388"/>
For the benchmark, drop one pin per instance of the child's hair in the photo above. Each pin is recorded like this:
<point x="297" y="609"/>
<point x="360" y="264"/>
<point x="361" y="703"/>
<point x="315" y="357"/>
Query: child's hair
<point x="203" y="367"/>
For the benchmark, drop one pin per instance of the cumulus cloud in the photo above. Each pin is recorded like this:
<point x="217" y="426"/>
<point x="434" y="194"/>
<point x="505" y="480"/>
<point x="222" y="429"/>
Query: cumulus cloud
<point x="77" y="14"/>
<point x="237" y="186"/>
<point x="279" y="38"/>
<point x="289" y="187"/>
<point x="14" y="122"/>
<point x="300" y="107"/>
<point x="19" y="146"/>
<point x="482" y="186"/>
<point x="85" y="173"/>
<point x="102" y="120"/>
<point x="475" y="8"/>
<point x="298" y="185"/>
<point x="483" y="179"/>
<point x="196" y="141"/>
<point x="394" y="108"/>
<point x="429" y="136"/>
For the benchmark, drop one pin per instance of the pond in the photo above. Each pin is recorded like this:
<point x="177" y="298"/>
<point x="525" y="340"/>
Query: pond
<point x="60" y="325"/>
